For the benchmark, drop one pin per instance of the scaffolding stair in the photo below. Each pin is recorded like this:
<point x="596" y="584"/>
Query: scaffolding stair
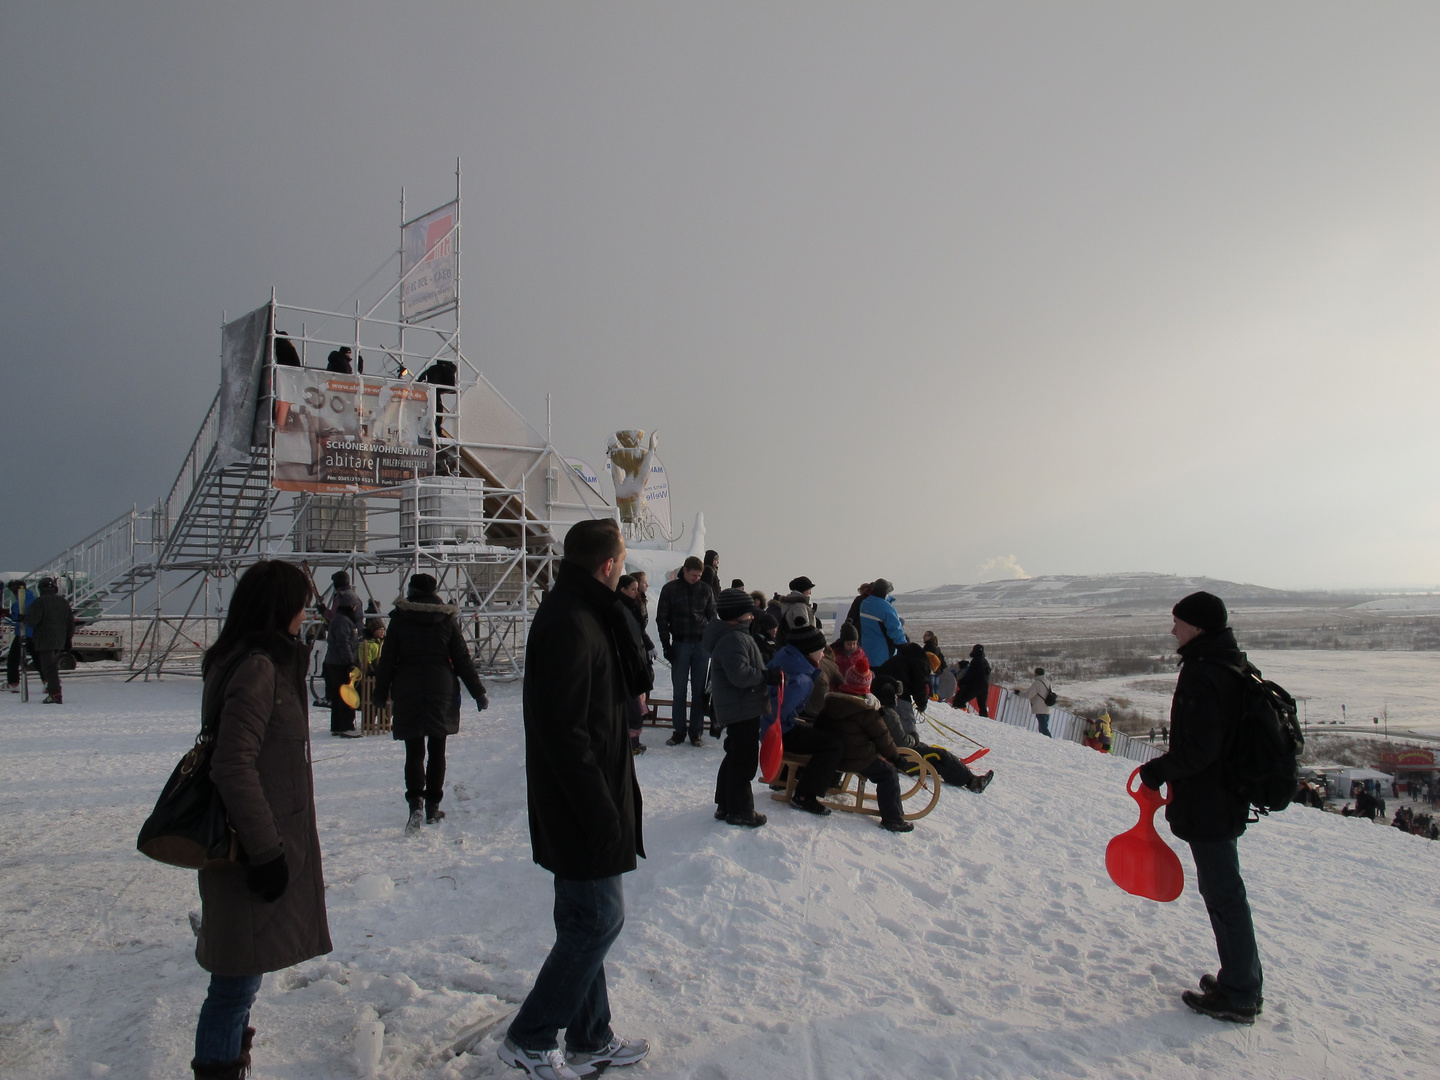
<point x="223" y="514"/>
<point x="108" y="566"/>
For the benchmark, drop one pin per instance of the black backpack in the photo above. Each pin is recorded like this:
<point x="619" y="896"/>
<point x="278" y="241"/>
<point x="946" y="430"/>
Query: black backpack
<point x="1262" y="759"/>
<point x="1050" y="696"/>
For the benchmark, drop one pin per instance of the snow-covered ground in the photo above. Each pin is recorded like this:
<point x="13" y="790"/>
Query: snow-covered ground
<point x="1366" y="682"/>
<point x="988" y="943"/>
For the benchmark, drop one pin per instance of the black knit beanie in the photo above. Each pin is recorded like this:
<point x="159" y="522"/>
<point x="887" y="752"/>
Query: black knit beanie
<point x="733" y="603"/>
<point x="422" y="585"/>
<point x="807" y="639"/>
<point x="849" y="632"/>
<point x="1204" y="611"/>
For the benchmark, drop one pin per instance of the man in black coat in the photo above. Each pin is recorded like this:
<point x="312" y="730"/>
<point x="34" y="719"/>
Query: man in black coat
<point x="686" y="607"/>
<point x="974" y="683"/>
<point x="422" y="664"/>
<point x="581" y="662"/>
<point x="1203" y="811"/>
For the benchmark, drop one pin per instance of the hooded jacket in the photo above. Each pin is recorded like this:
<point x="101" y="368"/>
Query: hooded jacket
<point x="800" y="676"/>
<point x="911" y="669"/>
<point x="795" y="610"/>
<point x="50" y="622"/>
<point x="342" y="641"/>
<point x="584" y="800"/>
<point x="737" y="672"/>
<point x="422" y="663"/>
<point x="1203" y="714"/>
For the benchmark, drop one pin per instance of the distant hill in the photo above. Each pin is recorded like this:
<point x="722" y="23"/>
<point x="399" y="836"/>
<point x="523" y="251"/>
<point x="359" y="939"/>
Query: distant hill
<point x="1064" y="594"/>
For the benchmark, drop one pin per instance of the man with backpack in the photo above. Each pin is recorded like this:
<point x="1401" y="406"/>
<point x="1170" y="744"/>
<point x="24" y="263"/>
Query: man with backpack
<point x="1204" y="809"/>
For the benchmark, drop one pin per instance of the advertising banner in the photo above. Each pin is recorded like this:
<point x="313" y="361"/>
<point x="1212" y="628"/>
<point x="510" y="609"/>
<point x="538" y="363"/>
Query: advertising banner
<point x="242" y="360"/>
<point x="585" y="472"/>
<point x="429" y="263"/>
<point x="657" y="498"/>
<point x="344" y="433"/>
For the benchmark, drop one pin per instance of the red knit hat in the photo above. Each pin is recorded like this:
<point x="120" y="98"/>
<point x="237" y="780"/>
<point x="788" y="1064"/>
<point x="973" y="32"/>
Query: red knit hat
<point x="855" y="673"/>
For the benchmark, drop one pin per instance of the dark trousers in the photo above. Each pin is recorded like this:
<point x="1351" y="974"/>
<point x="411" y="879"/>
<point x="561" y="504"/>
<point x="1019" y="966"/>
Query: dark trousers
<point x="19" y="646"/>
<point x="224" y="1017"/>
<point x="824" y="748"/>
<point x="980" y="694"/>
<point x="887" y="789"/>
<point x="424" y="781"/>
<point x="342" y="716"/>
<point x="1217" y="869"/>
<point x="49" y="661"/>
<point x="733" y="793"/>
<point x="1042" y="719"/>
<point x="688" y="669"/>
<point x="570" y="991"/>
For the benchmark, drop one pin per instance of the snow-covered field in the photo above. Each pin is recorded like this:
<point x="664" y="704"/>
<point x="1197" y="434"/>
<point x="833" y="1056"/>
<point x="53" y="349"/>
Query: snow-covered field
<point x="1366" y="682"/>
<point x="988" y="943"/>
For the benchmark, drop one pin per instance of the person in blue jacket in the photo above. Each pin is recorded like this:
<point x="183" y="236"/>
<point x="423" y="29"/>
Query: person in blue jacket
<point x="881" y="629"/>
<point x="21" y="600"/>
<point x="799" y="659"/>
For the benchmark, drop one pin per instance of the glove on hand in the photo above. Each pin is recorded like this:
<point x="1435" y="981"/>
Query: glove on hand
<point x="1150" y="776"/>
<point x="483" y="701"/>
<point x="268" y="880"/>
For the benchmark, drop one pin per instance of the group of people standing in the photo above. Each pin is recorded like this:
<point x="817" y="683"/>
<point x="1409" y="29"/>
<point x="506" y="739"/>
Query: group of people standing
<point x="43" y="629"/>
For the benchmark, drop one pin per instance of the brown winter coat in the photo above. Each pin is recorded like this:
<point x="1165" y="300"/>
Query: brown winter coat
<point x="862" y="728"/>
<point x="827" y="678"/>
<point x="261" y="767"/>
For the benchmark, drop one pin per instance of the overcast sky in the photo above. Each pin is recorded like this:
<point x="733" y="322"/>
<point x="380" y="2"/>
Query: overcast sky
<point x="927" y="291"/>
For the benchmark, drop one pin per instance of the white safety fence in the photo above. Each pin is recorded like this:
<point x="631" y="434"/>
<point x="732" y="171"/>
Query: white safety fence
<point x="1015" y="711"/>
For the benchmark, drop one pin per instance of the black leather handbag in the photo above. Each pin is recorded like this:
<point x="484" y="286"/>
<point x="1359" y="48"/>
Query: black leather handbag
<point x="189" y="826"/>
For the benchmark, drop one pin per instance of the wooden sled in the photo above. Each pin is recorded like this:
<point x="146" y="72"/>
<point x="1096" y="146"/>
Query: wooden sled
<point x="852" y="798"/>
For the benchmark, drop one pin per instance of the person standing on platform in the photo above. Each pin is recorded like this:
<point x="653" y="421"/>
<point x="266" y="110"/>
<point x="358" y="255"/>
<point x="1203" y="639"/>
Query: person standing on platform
<point x="581" y="663"/>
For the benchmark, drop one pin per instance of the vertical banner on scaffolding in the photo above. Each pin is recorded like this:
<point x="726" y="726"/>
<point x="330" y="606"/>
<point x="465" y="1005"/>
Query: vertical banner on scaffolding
<point x="429" y="263"/>
<point x="242" y="362"/>
<point x="657" y="498"/>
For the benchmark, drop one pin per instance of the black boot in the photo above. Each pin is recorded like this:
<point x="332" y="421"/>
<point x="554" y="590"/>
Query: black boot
<point x="810" y="804"/>
<point x="433" y="814"/>
<point x="230" y="1070"/>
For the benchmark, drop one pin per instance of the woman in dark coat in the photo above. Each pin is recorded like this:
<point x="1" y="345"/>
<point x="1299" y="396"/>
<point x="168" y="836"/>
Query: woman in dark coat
<point x="263" y="909"/>
<point x="422" y="663"/>
<point x="628" y="593"/>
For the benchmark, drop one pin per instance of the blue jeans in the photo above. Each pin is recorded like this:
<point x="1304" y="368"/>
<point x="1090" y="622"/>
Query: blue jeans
<point x="1217" y="869"/>
<point x="689" y="667"/>
<point x="1043" y="719"/>
<point x="570" y="992"/>
<point x="223" y="1018"/>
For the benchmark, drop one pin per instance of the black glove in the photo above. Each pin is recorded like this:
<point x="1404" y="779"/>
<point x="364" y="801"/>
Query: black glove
<point x="773" y="676"/>
<point x="668" y="651"/>
<point x="268" y="880"/>
<point x="483" y="701"/>
<point x="1150" y="776"/>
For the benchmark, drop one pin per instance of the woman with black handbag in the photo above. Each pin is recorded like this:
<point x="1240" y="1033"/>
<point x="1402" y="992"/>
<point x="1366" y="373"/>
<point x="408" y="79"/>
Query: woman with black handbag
<point x="263" y="908"/>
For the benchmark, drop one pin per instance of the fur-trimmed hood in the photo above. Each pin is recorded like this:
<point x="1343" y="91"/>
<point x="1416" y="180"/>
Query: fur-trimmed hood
<point x="422" y="607"/>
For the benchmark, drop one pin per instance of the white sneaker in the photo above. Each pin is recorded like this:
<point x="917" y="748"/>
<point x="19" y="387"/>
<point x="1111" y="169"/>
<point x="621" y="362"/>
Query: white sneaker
<point x="619" y="1052"/>
<point x="545" y="1064"/>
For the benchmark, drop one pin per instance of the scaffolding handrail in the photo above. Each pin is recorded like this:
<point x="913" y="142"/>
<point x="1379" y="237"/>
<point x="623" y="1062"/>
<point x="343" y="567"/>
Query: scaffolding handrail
<point x="194" y="468"/>
<point x="105" y="558"/>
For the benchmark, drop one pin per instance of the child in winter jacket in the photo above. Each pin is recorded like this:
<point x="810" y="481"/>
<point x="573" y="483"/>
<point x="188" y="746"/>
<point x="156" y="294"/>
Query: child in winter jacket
<point x="867" y="748"/>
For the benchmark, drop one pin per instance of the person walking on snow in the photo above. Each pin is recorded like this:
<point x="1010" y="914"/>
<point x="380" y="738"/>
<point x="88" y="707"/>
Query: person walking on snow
<point x="50" y="623"/>
<point x="685" y="608"/>
<point x="422" y="664"/>
<point x="881" y="629"/>
<point x="582" y="663"/>
<point x="1035" y="695"/>
<point x="1203" y="810"/>
<point x="738" y="678"/>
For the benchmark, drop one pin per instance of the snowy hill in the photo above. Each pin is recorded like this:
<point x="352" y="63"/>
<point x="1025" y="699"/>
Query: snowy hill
<point x="1057" y="594"/>
<point x="988" y="943"/>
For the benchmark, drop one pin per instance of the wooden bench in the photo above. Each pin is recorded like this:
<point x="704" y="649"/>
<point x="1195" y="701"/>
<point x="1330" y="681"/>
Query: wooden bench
<point x="852" y="798"/>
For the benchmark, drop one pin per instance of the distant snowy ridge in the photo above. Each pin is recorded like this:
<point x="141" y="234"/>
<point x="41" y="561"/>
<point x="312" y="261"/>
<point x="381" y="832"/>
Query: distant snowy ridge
<point x="1137" y="592"/>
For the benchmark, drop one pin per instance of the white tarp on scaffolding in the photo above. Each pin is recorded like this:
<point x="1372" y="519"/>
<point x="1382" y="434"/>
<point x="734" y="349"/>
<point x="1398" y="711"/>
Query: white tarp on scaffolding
<point x="242" y="362"/>
<point x="500" y="446"/>
<point x="429" y="263"/>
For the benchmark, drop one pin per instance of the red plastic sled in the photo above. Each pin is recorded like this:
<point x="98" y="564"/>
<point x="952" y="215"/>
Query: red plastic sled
<point x="772" y="747"/>
<point x="1138" y="860"/>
